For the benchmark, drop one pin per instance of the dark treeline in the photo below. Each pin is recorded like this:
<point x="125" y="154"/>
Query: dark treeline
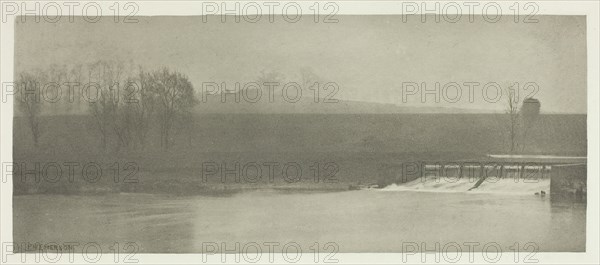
<point x="125" y="102"/>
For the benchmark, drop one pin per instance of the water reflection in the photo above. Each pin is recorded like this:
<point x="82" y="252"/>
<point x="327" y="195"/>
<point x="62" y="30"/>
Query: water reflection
<point x="357" y="221"/>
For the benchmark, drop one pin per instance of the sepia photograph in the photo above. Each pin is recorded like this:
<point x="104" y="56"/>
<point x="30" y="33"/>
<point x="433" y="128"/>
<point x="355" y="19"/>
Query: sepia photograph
<point x="299" y="132"/>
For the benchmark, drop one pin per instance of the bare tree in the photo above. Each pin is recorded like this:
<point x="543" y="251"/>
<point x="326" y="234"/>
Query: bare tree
<point x="269" y="80"/>
<point x="29" y="102"/>
<point x="139" y="106"/>
<point x="103" y="96"/>
<point x="53" y="92"/>
<point x="75" y="79"/>
<point x="122" y="126"/>
<point x="512" y="110"/>
<point x="310" y="81"/>
<point x="175" y="95"/>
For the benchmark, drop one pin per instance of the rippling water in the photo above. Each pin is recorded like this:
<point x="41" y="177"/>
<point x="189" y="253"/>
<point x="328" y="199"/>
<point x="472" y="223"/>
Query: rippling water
<point x="357" y="221"/>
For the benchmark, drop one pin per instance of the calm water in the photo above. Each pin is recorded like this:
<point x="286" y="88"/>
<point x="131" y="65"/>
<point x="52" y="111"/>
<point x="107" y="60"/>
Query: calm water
<point x="357" y="221"/>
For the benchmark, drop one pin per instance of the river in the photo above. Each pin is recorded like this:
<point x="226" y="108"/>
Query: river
<point x="355" y="221"/>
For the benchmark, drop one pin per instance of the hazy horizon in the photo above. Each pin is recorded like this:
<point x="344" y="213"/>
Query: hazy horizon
<point x="369" y="57"/>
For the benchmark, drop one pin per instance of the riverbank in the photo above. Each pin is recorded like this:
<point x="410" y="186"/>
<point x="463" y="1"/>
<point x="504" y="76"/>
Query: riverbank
<point x="205" y="173"/>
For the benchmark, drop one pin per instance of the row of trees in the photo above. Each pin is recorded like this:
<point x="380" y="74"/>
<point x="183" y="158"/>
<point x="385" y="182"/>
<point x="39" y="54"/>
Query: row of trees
<point x="123" y="100"/>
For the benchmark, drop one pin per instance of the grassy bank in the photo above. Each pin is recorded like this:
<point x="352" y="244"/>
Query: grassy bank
<point x="208" y="173"/>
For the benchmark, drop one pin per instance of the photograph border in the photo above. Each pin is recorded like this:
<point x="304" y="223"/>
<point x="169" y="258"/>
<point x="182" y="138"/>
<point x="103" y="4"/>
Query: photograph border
<point x="194" y="8"/>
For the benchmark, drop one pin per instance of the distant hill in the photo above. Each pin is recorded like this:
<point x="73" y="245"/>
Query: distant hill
<point x="213" y="103"/>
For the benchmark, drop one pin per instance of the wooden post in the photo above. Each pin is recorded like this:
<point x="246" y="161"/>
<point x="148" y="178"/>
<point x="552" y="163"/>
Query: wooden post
<point x="521" y="171"/>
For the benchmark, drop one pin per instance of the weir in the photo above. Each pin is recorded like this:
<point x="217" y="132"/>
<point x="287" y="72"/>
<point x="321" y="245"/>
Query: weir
<point x="563" y="178"/>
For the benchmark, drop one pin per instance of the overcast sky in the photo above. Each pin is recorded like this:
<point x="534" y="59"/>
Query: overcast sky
<point x="368" y="56"/>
